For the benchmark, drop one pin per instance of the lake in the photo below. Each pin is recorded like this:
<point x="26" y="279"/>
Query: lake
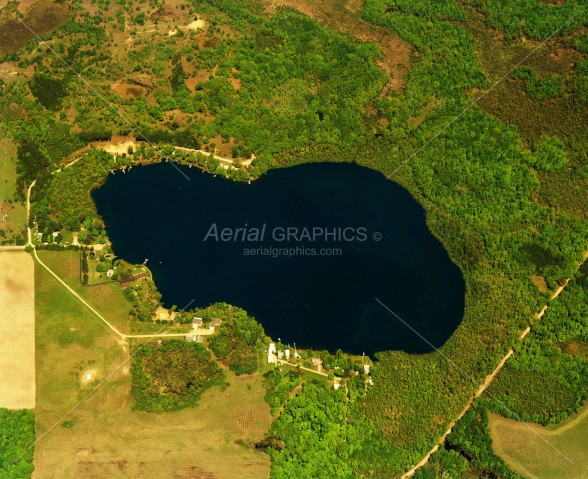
<point x="305" y="250"/>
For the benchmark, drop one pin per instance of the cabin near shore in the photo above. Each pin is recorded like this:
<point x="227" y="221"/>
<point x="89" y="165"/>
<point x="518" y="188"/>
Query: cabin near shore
<point x="215" y="323"/>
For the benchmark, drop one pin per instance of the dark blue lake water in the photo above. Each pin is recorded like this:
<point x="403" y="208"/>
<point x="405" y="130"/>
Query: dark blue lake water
<point x="316" y="245"/>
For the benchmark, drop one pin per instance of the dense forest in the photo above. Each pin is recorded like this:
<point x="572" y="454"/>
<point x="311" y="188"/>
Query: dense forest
<point x="170" y="376"/>
<point x="17" y="437"/>
<point x="503" y="184"/>
<point x="239" y="339"/>
<point x="322" y="441"/>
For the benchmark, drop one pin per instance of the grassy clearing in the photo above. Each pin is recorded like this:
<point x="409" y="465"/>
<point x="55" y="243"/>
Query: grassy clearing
<point x="524" y="450"/>
<point x="108" y="299"/>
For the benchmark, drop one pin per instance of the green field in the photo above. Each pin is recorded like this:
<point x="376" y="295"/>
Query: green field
<point x="107" y="299"/>
<point x="524" y="448"/>
<point x="7" y="169"/>
<point x="211" y="440"/>
<point x="16" y="215"/>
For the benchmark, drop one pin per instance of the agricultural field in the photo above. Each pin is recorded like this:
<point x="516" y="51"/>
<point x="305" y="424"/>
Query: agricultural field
<point x="17" y="330"/>
<point x="524" y="448"/>
<point x="210" y="440"/>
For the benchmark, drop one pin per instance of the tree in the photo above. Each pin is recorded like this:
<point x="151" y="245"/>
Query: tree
<point x="550" y="154"/>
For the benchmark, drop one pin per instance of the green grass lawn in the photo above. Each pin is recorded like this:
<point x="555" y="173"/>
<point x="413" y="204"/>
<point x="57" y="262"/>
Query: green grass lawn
<point x="525" y="450"/>
<point x="94" y="277"/>
<point x="138" y="327"/>
<point x="15" y="211"/>
<point x="7" y="169"/>
<point x="108" y="299"/>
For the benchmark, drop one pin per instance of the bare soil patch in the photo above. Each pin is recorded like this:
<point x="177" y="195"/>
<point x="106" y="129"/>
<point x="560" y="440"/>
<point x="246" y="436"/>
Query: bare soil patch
<point x="17" y="331"/>
<point x="196" y="25"/>
<point x="118" y="145"/>
<point x="222" y="148"/>
<point x="128" y="90"/>
<point x="396" y="52"/>
<point x="540" y="282"/>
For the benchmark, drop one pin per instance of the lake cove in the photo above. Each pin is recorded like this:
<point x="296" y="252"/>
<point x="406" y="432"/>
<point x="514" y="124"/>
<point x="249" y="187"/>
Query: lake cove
<point x="305" y="250"/>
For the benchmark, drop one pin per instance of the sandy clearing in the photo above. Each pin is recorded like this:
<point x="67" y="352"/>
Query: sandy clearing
<point x="118" y="148"/>
<point x="196" y="25"/>
<point x="17" y="330"/>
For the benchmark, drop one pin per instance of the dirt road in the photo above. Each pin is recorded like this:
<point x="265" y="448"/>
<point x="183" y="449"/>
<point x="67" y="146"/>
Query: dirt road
<point x="487" y="381"/>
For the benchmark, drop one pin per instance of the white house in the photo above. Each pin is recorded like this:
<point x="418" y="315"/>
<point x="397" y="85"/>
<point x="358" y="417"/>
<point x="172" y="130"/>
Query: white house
<point x="287" y="353"/>
<point x="271" y="354"/>
<point x="196" y="322"/>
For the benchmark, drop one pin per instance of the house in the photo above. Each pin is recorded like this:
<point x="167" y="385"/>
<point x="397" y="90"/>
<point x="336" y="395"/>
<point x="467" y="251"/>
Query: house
<point x="366" y="369"/>
<point x="110" y="273"/>
<point x="280" y="354"/>
<point x="196" y="322"/>
<point x="193" y="338"/>
<point x="3" y="218"/>
<point x="287" y="354"/>
<point x="318" y="363"/>
<point x="271" y="354"/>
<point x="215" y="323"/>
